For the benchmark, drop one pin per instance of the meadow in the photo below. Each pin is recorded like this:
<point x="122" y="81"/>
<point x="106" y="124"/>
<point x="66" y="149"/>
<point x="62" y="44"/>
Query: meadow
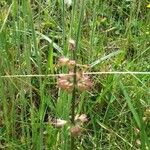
<point x="74" y="75"/>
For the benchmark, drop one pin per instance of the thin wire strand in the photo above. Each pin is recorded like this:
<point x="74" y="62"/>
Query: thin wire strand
<point x="87" y="73"/>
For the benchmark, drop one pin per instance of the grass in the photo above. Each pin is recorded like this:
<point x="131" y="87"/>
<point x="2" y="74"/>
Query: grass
<point x="110" y="36"/>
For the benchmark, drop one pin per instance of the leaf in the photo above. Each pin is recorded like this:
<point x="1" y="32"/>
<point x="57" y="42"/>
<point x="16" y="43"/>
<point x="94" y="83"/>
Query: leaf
<point x="131" y="107"/>
<point x="50" y="41"/>
<point x="104" y="58"/>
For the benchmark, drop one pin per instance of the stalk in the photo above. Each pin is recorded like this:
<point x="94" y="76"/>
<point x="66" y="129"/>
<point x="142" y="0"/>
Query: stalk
<point x="74" y="76"/>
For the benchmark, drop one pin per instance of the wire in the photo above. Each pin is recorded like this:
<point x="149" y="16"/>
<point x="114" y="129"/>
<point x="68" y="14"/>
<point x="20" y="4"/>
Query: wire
<point x="70" y="74"/>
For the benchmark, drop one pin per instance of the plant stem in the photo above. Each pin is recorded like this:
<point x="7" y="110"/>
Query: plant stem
<point x="74" y="77"/>
<point x="73" y="97"/>
<point x="73" y="100"/>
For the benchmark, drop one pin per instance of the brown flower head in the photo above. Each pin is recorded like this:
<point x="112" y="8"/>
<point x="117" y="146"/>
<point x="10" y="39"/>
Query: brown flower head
<point x="75" y="130"/>
<point x="82" y="118"/>
<point x="65" y="83"/>
<point x="71" y="64"/>
<point x="63" y="61"/>
<point x="84" y="83"/>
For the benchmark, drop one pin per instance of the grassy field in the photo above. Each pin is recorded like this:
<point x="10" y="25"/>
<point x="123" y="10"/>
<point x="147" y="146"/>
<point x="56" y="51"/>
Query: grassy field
<point x="108" y="36"/>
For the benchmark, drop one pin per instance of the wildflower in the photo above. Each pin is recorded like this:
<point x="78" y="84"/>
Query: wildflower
<point x="75" y="130"/>
<point x="68" y="2"/>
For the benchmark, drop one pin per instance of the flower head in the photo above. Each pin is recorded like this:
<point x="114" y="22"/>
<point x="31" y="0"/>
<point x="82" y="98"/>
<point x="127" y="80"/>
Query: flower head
<point x="75" y="130"/>
<point x="64" y="83"/>
<point x="71" y="64"/>
<point x="63" y="61"/>
<point x="82" y="118"/>
<point x="84" y="83"/>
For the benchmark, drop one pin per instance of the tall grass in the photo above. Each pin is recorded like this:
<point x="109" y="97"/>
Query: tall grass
<point x="110" y="36"/>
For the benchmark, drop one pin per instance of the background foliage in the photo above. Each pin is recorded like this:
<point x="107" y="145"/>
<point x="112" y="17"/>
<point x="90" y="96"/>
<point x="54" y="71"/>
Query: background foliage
<point x="112" y="35"/>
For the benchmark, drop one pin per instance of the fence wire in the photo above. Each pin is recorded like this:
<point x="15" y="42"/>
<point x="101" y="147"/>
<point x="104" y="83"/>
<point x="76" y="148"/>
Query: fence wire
<point x="86" y="73"/>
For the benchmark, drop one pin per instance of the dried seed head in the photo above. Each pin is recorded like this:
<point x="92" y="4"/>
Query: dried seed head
<point x="62" y="82"/>
<point x="63" y="61"/>
<point x="65" y="84"/>
<point x="88" y="84"/>
<point x="79" y="75"/>
<point x="58" y="123"/>
<point x="71" y="64"/>
<point x="75" y="130"/>
<point x="69" y="88"/>
<point x="84" y="83"/>
<point x="72" y="44"/>
<point x="76" y="118"/>
<point x="87" y="81"/>
<point x="81" y="86"/>
<point x="86" y="77"/>
<point x="83" y="118"/>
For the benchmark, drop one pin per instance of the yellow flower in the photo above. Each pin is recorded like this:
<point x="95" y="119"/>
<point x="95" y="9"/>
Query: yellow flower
<point x="148" y="6"/>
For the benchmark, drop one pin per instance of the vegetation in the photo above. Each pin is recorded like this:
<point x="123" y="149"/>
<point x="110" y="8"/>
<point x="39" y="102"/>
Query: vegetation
<point x="111" y="111"/>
